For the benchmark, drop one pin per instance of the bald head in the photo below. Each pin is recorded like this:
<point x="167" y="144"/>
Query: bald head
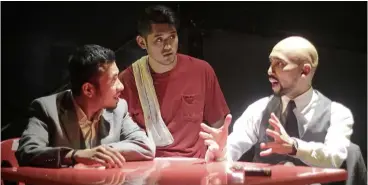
<point x="297" y="50"/>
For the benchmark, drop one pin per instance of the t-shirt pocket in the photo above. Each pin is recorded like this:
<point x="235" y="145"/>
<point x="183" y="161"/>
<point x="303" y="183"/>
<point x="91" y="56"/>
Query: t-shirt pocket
<point x="192" y="108"/>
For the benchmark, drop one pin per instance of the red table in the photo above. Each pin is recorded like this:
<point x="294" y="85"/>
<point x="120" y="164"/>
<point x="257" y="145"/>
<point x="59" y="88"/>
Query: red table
<point x="172" y="171"/>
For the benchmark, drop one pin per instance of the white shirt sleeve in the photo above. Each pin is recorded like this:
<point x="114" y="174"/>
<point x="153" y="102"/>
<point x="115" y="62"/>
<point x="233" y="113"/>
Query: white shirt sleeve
<point x="333" y="152"/>
<point x="245" y="130"/>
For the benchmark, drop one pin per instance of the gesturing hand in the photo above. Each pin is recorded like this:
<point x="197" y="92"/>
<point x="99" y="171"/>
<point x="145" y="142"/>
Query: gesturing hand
<point x="282" y="143"/>
<point x="215" y="139"/>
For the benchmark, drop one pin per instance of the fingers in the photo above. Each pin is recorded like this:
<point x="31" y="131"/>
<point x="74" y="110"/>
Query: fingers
<point x="266" y="152"/>
<point x="205" y="135"/>
<point x="274" y="117"/>
<point x="120" y="159"/>
<point x="211" y="144"/>
<point x="212" y="147"/>
<point x="273" y="145"/>
<point x="227" y="122"/>
<point x="97" y="160"/>
<point x="108" y="161"/>
<point x="111" y="156"/>
<point x="274" y="134"/>
<point x="116" y="160"/>
<point x="208" y="129"/>
<point x="209" y="156"/>
<point x="277" y="122"/>
<point x="274" y="124"/>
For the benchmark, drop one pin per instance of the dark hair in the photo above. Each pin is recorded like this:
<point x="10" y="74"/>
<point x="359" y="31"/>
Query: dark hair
<point x="157" y="14"/>
<point x="84" y="65"/>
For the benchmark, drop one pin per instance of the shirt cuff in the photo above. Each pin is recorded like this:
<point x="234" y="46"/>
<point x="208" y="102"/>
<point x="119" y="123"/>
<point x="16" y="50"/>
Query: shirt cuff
<point x="64" y="162"/>
<point x="304" y="150"/>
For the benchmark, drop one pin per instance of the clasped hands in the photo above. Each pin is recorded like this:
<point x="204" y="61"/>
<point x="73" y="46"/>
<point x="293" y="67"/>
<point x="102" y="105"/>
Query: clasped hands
<point x="99" y="156"/>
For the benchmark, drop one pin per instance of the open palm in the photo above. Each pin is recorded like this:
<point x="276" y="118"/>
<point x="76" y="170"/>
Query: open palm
<point x="215" y="138"/>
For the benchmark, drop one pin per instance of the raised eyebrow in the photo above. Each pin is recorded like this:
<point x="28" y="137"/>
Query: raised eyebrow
<point x="115" y="74"/>
<point x="160" y="34"/>
<point x="157" y="35"/>
<point x="278" y="59"/>
<point x="272" y="59"/>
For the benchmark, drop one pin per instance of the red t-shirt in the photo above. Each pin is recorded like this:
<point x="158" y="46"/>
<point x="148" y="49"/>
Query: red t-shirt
<point x="188" y="95"/>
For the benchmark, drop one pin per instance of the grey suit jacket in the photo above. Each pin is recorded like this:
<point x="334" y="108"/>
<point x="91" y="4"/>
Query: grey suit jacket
<point x="53" y="131"/>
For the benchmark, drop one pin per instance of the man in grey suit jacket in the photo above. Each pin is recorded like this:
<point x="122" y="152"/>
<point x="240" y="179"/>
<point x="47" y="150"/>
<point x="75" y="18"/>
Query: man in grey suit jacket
<point x="88" y="124"/>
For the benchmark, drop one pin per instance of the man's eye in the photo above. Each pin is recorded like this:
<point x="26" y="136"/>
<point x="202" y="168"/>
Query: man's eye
<point x="279" y="63"/>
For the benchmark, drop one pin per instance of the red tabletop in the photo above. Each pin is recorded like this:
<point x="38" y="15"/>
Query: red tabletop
<point x="172" y="171"/>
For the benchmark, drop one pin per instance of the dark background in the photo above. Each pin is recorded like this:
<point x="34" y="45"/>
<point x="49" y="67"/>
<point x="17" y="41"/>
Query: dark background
<point x="234" y="37"/>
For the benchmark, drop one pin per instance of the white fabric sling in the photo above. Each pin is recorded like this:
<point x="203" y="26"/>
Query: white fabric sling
<point x="155" y="126"/>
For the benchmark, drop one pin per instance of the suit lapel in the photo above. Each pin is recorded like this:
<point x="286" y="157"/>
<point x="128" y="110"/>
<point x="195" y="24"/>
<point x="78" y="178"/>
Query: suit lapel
<point x="104" y="126"/>
<point x="68" y="120"/>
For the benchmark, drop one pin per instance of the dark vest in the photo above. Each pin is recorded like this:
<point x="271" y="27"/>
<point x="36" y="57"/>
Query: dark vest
<point x="316" y="130"/>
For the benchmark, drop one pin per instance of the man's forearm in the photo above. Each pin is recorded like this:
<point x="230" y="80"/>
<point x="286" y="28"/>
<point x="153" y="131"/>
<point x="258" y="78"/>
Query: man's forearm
<point x="321" y="155"/>
<point x="47" y="157"/>
<point x="135" y="150"/>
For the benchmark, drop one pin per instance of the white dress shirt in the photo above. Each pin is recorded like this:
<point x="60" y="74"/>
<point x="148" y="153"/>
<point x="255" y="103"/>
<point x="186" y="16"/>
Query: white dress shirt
<point x="331" y="153"/>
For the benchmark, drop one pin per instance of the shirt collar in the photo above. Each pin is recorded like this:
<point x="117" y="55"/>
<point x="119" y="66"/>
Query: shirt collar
<point x="301" y="101"/>
<point x="82" y="117"/>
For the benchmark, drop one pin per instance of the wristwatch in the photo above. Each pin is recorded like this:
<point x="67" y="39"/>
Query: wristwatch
<point x="294" y="147"/>
<point x="73" y="157"/>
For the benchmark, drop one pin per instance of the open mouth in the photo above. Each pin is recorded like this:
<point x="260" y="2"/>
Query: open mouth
<point x="117" y="96"/>
<point x="274" y="81"/>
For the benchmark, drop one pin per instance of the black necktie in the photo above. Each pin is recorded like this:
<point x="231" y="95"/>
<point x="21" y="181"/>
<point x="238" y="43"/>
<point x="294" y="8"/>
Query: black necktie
<point x="291" y="124"/>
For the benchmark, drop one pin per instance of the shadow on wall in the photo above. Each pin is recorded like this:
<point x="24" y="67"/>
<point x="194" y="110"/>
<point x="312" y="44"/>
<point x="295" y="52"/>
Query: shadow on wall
<point x="43" y="61"/>
<point x="128" y="53"/>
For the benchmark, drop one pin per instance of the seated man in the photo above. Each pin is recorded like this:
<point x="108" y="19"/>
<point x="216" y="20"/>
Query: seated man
<point x="88" y="124"/>
<point x="298" y="124"/>
<point x="171" y="94"/>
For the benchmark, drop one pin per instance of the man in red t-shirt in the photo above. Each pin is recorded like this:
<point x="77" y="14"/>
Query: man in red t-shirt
<point x="187" y="89"/>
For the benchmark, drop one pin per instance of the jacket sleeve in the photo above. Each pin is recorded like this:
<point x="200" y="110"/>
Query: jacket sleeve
<point x="33" y="149"/>
<point x="134" y="143"/>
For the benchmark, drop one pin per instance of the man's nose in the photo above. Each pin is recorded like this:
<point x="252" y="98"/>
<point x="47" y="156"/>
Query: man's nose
<point x="120" y="86"/>
<point x="167" y="46"/>
<point x="270" y="70"/>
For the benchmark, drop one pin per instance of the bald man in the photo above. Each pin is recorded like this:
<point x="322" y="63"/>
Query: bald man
<point x="297" y="124"/>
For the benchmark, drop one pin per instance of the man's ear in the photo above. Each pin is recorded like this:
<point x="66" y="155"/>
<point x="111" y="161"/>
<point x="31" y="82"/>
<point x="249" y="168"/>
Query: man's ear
<point x="306" y="70"/>
<point x="88" y="89"/>
<point x="141" y="42"/>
